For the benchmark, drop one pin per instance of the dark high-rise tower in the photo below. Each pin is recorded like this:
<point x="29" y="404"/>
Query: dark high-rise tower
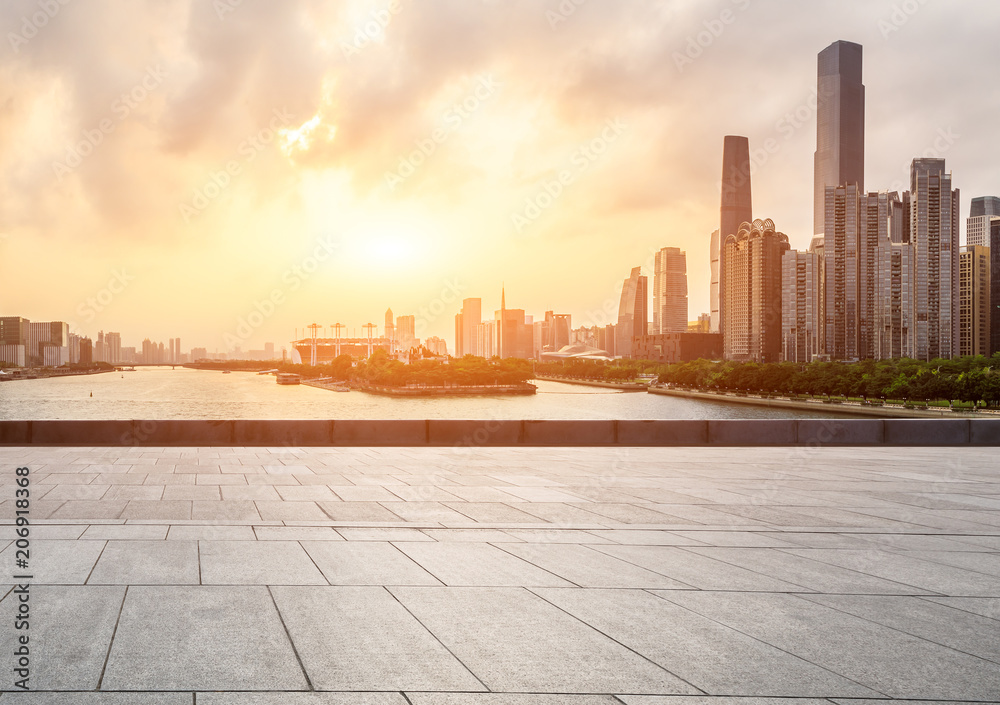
<point x="736" y="204"/>
<point x="840" y="125"/>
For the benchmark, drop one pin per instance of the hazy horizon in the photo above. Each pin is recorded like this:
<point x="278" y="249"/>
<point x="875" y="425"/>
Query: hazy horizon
<point x="183" y="161"/>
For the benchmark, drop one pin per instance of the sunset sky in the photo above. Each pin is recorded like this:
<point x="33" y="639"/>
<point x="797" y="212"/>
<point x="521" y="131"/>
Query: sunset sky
<point x="174" y="163"/>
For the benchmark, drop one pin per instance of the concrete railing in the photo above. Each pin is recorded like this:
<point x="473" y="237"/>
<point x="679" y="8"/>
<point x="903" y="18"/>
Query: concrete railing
<point x="435" y="432"/>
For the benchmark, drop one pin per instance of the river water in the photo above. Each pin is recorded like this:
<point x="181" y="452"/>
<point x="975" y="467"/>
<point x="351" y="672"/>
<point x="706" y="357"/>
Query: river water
<point x="163" y="393"/>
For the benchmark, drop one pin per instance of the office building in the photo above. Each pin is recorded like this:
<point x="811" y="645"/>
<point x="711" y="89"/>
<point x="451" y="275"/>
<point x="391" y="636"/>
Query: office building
<point x="994" y="243"/>
<point x="632" y="312"/>
<point x="113" y="347"/>
<point x="670" y="292"/>
<point x="86" y="352"/>
<point x="390" y="329"/>
<point x="977" y="226"/>
<point x="555" y="331"/>
<point x="802" y="314"/>
<point x="840" y="125"/>
<point x="736" y="204"/>
<point x="670" y="348"/>
<point x="41" y="337"/>
<point x="974" y="300"/>
<point x="934" y="232"/>
<point x="753" y="264"/>
<point x="514" y="332"/>
<point x="467" y="326"/>
<point x="714" y="248"/>
<point x="895" y="311"/>
<point x="405" y="332"/>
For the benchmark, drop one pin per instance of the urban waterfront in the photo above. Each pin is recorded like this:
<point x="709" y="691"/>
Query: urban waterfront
<point x="164" y="393"/>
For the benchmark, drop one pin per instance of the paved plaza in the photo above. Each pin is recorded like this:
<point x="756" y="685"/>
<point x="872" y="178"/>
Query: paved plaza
<point x="505" y="576"/>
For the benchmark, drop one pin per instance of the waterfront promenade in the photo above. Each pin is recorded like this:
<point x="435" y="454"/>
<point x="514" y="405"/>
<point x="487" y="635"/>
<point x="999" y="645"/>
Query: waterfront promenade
<point x="285" y="575"/>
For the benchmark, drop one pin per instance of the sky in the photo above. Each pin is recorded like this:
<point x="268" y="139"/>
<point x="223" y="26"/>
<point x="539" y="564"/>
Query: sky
<point x="230" y="171"/>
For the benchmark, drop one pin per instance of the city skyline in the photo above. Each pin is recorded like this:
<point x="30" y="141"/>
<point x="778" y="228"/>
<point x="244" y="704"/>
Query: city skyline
<point x="314" y="218"/>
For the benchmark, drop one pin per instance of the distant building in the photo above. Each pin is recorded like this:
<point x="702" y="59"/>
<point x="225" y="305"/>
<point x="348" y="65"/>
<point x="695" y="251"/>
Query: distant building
<point x="670" y="291"/>
<point x="840" y="125"/>
<point x="714" y="248"/>
<point x="934" y="232"/>
<point x="977" y="226"/>
<point x="514" y="334"/>
<point x="632" y="312"/>
<point x="86" y="351"/>
<point x="702" y="325"/>
<point x="895" y="311"/>
<point x="556" y="331"/>
<point x="437" y="345"/>
<point x="802" y="312"/>
<point x="752" y="260"/>
<point x="198" y="354"/>
<point x="268" y="351"/>
<point x="670" y="348"/>
<point x="113" y="347"/>
<point x="736" y="205"/>
<point x="43" y="336"/>
<point x="974" y="300"/>
<point x="467" y="341"/>
<point x="390" y="328"/>
<point x="406" y="332"/>
<point x="11" y="355"/>
<point x="994" y="286"/>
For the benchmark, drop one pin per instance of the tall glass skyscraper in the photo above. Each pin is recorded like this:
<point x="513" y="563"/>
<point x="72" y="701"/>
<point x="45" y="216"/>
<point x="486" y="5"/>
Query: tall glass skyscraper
<point x="737" y="207"/>
<point x="840" y="125"/>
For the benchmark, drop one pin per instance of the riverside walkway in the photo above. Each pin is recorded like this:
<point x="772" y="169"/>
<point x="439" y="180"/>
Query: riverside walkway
<point x="505" y="575"/>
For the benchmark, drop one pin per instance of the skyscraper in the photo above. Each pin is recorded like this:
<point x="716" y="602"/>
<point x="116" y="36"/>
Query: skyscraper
<point x="974" y="300"/>
<point x="670" y="300"/>
<point x="977" y="227"/>
<point x="840" y="124"/>
<point x="390" y="330"/>
<point x="895" y="313"/>
<point x="714" y="248"/>
<point x="467" y="328"/>
<point x="737" y="204"/>
<point x="934" y="209"/>
<point x="994" y="243"/>
<point x="406" y="332"/>
<point x="840" y="245"/>
<point x="801" y="305"/>
<point x="633" y="314"/>
<point x="752" y="258"/>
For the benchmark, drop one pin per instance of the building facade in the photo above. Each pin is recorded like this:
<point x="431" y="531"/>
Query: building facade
<point x="994" y="286"/>
<point x="633" y="313"/>
<point x="934" y="232"/>
<point x="736" y="204"/>
<point x="670" y="291"/>
<point x="977" y="226"/>
<point x="894" y="314"/>
<point x="802" y="311"/>
<point x="840" y="124"/>
<point x="670" y="348"/>
<point x="974" y="300"/>
<point x="753" y="317"/>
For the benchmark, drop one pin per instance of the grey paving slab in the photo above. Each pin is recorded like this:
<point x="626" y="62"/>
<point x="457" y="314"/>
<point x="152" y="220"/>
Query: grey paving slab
<point x="904" y="568"/>
<point x="426" y="512"/>
<point x="586" y="567"/>
<point x="888" y="661"/>
<point x="161" y="509"/>
<point x="201" y="638"/>
<point x="474" y="564"/>
<point x="382" y="534"/>
<point x="96" y="698"/>
<point x="147" y="563"/>
<point x="555" y="535"/>
<point x="695" y="570"/>
<point x="257" y="563"/>
<point x="493" y="512"/>
<point x="473" y="535"/>
<point x="741" y="539"/>
<point x="134" y="532"/>
<point x="362" y="638"/>
<point x="810" y="574"/>
<point x="366" y="563"/>
<point x="514" y="641"/>
<point x="194" y="532"/>
<point x="509" y="699"/>
<point x="706" y="654"/>
<point x="984" y="606"/>
<point x="69" y="631"/>
<point x="301" y="699"/>
<point x="297" y="533"/>
<point x="290" y="511"/>
<point x="962" y="631"/>
<point x="357" y="511"/>
<point x="695" y="700"/>
<point x="57" y="562"/>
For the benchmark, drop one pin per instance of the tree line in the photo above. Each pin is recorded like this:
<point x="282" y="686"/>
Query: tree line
<point x="967" y="379"/>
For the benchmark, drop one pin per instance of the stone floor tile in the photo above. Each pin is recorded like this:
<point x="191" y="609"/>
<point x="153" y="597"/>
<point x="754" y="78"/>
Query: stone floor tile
<point x="515" y="641"/>
<point x="201" y="638"/>
<point x="257" y="563"/>
<point x="586" y="567"/>
<point x="135" y="532"/>
<point x="366" y="563"/>
<point x="386" y="534"/>
<point x="473" y="564"/>
<point x="57" y="562"/>
<point x="147" y="563"/>
<point x="193" y="532"/>
<point x="362" y="638"/>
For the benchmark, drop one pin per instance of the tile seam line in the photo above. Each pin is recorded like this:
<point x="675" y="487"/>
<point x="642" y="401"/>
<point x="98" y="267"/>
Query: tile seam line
<point x="572" y="616"/>
<point x="111" y="643"/>
<point x="437" y="639"/>
<point x="791" y="654"/>
<point x="291" y="642"/>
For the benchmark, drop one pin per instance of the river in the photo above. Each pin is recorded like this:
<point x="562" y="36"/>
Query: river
<point x="164" y="393"/>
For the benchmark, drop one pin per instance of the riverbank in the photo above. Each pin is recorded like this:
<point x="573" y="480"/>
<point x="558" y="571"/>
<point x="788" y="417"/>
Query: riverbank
<point x="447" y="391"/>
<point x="623" y="386"/>
<point x="853" y="408"/>
<point x="21" y="374"/>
